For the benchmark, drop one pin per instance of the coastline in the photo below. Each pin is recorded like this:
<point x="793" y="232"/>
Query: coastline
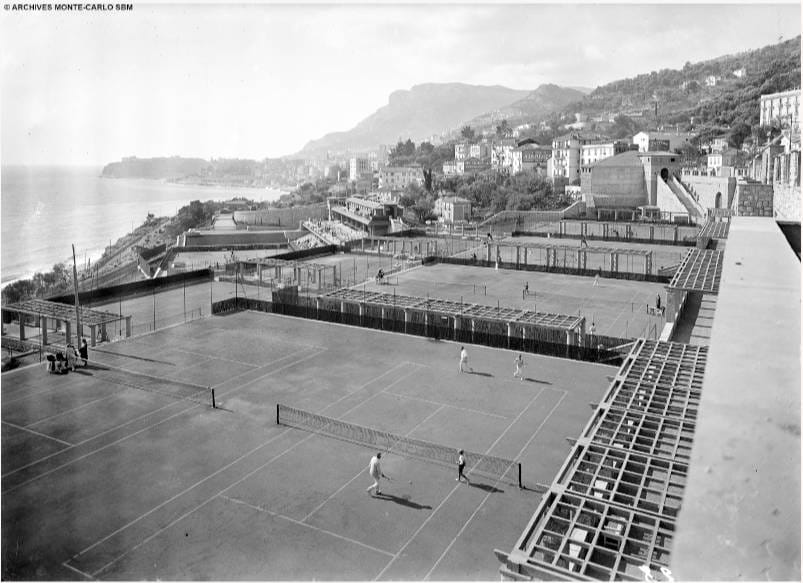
<point x="33" y="199"/>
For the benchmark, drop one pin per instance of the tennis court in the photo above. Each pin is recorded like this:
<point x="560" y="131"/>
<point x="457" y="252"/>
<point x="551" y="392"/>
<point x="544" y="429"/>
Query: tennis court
<point x="122" y="470"/>
<point x="618" y="307"/>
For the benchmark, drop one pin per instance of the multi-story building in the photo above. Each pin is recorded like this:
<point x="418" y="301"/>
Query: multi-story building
<point x="359" y="168"/>
<point x="461" y="151"/>
<point x="566" y="156"/>
<point x="475" y="165"/>
<point x="502" y="154"/>
<point x="783" y="107"/>
<point x="722" y="163"/>
<point x="480" y="150"/>
<point x="662" y="141"/>
<point x="596" y="151"/>
<point x="530" y="157"/>
<point x="452" y="209"/>
<point x="400" y="177"/>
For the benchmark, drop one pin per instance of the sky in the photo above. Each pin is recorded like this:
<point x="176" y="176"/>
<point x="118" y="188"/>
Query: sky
<point x="261" y="80"/>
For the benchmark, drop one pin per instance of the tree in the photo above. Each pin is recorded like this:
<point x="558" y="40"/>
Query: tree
<point x="739" y="132"/>
<point x="502" y="129"/>
<point x="467" y="133"/>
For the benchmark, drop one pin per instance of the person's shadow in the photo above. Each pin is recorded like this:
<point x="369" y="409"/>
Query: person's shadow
<point x="480" y="373"/>
<point x="485" y="487"/>
<point x="403" y="501"/>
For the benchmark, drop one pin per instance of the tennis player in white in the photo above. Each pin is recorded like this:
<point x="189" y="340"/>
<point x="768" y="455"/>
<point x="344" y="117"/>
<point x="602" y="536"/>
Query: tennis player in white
<point x="375" y="471"/>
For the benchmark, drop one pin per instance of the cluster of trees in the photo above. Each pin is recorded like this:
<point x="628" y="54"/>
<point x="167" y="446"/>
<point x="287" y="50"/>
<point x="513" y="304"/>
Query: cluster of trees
<point x="41" y="285"/>
<point x="425" y="154"/>
<point x="488" y="193"/>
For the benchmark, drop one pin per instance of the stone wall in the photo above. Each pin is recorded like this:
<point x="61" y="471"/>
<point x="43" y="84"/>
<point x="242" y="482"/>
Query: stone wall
<point x="786" y="202"/>
<point x="753" y="199"/>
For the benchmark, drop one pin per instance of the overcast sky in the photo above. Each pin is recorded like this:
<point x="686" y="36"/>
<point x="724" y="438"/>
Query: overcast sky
<point x="261" y="80"/>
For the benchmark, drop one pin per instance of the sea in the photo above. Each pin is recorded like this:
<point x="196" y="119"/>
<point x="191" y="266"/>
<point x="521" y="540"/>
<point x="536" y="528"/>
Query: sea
<point x="47" y="209"/>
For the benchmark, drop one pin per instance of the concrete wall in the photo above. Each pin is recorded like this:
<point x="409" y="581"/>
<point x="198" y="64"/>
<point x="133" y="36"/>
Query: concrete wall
<point x="205" y="239"/>
<point x="666" y="199"/>
<point x="753" y="200"/>
<point x="786" y="202"/>
<point x="705" y="189"/>
<point x="281" y="217"/>
<point x="615" y="183"/>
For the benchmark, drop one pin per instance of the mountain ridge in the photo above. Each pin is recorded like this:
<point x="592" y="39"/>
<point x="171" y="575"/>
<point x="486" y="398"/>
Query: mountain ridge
<point x="429" y="109"/>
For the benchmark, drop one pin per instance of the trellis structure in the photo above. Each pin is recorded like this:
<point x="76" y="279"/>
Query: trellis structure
<point x="466" y="320"/>
<point x="43" y="312"/>
<point x="290" y="272"/>
<point x="611" y="512"/>
<point x="712" y="229"/>
<point x="700" y="271"/>
<point x="520" y="254"/>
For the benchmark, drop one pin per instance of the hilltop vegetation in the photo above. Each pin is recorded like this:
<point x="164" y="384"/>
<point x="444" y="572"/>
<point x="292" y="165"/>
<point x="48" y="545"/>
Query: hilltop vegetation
<point x="684" y="93"/>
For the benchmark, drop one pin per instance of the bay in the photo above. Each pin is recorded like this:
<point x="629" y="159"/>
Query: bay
<point x="46" y="209"/>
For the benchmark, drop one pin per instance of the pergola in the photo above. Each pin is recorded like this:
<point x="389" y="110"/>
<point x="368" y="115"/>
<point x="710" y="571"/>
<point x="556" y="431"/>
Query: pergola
<point x="552" y="250"/>
<point x="43" y="310"/>
<point x="699" y="271"/>
<point x="315" y="271"/>
<point x="612" y="509"/>
<point x="715" y="229"/>
<point x="461" y="317"/>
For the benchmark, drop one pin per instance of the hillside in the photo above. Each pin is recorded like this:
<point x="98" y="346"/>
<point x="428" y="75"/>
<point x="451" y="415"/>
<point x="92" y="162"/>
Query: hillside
<point x="417" y="114"/>
<point x="159" y="168"/>
<point x="536" y="105"/>
<point x="710" y="91"/>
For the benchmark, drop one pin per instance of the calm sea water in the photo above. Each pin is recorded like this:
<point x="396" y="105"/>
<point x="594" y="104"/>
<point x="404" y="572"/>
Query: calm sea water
<point x="45" y="210"/>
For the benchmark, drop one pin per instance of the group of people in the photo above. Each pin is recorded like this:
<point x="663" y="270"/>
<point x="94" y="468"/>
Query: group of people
<point x="375" y="471"/>
<point x="518" y="362"/>
<point x="62" y="362"/>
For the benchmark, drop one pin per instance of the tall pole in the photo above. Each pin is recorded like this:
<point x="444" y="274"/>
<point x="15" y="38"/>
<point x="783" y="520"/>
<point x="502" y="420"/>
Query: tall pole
<point x="75" y="289"/>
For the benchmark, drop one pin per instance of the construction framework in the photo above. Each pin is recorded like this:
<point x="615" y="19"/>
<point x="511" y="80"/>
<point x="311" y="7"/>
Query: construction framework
<point x="43" y="311"/>
<point x="610" y="513"/>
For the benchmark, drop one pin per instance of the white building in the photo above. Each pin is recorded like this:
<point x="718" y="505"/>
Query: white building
<point x="662" y="141"/>
<point x="400" y="177"/>
<point x="596" y="151"/>
<point x="451" y="209"/>
<point x="783" y="107"/>
<point x="359" y="168"/>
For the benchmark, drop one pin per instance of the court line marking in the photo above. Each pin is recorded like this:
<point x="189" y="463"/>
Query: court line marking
<point x="79" y="571"/>
<point x="446" y="405"/>
<point x="88" y="439"/>
<point x="20" y="427"/>
<point x="43" y="391"/>
<point x="488" y="495"/>
<point x="434" y="512"/>
<point x="216" y="357"/>
<point x="360" y="473"/>
<point x="93" y="452"/>
<point x="191" y="406"/>
<point x="243" y="478"/>
<point x="311" y="526"/>
<point x="74" y="409"/>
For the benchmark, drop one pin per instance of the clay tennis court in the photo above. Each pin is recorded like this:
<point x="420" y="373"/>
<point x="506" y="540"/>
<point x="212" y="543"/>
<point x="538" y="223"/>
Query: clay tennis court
<point x="111" y="472"/>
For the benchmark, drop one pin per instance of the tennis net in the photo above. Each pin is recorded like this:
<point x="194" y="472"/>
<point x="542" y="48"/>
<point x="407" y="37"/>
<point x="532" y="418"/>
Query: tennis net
<point x="505" y="470"/>
<point x="173" y="388"/>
